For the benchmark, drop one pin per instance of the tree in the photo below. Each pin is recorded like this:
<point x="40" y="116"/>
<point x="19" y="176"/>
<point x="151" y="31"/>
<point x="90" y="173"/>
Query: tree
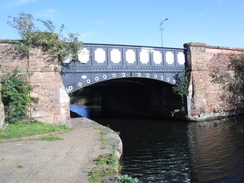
<point x="50" y="40"/>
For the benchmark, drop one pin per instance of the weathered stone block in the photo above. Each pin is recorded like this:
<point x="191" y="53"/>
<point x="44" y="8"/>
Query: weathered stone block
<point x="2" y="116"/>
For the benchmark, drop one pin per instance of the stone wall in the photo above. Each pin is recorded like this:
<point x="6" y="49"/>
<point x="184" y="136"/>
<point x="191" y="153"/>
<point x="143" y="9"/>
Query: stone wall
<point x="2" y="116"/>
<point x="53" y="104"/>
<point x="208" y="99"/>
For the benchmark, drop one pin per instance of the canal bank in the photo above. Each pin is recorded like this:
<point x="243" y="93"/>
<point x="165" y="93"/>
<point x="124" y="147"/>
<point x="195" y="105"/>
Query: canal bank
<point x="68" y="160"/>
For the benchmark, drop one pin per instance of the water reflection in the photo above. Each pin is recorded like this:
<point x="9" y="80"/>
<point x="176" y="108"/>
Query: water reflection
<point x="81" y="110"/>
<point x="177" y="151"/>
<point x="217" y="150"/>
<point x="154" y="151"/>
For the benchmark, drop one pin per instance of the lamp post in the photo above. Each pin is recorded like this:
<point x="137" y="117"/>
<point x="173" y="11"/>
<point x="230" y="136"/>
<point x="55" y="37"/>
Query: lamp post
<point x="161" y="29"/>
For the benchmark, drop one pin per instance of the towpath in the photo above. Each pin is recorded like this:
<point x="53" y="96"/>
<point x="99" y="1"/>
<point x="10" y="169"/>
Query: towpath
<point x="63" y="161"/>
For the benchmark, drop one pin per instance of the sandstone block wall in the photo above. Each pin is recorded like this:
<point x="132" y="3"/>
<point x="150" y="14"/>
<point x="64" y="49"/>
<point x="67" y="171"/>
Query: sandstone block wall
<point x="53" y="104"/>
<point x="2" y="116"/>
<point x="208" y="99"/>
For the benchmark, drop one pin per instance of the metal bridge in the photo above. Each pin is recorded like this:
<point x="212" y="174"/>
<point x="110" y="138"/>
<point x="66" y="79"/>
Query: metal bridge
<point x="101" y="62"/>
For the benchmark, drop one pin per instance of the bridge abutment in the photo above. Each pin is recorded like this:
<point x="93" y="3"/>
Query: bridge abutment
<point x="208" y="99"/>
<point x="44" y="69"/>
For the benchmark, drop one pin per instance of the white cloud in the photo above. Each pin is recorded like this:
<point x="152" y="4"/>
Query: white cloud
<point x="221" y="1"/>
<point x="49" y="13"/>
<point x="14" y="3"/>
<point x="85" y="35"/>
<point x="23" y="2"/>
<point x="100" y="23"/>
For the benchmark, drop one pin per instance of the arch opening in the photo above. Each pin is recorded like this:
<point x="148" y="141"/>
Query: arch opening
<point x="129" y="97"/>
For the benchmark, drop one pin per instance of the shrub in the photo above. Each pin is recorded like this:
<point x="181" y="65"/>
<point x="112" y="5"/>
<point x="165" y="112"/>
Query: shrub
<point x="181" y="89"/>
<point x="127" y="179"/>
<point x="16" y="96"/>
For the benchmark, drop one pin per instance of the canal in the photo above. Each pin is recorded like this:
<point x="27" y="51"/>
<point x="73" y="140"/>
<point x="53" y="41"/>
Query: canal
<point x="178" y="151"/>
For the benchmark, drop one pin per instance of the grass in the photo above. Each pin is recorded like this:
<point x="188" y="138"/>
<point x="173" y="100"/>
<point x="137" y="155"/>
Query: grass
<point x="107" y="164"/>
<point x="20" y="166"/>
<point x="110" y="164"/>
<point x="19" y="130"/>
<point x="104" y="139"/>
<point x="48" y="138"/>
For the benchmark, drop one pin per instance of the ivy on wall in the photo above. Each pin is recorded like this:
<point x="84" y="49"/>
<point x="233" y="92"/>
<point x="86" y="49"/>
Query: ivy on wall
<point x="181" y="89"/>
<point x="16" y="97"/>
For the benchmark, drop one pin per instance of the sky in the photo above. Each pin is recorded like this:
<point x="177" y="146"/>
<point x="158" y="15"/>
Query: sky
<point x="137" y="22"/>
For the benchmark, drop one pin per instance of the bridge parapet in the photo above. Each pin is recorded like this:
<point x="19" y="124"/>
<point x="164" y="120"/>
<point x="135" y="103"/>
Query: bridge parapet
<point x="99" y="62"/>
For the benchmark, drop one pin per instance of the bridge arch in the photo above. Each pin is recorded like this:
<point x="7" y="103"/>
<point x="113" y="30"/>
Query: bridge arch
<point x="130" y="97"/>
<point x="100" y="62"/>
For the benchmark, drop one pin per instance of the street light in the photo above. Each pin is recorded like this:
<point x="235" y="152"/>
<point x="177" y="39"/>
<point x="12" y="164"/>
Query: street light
<point x="161" y="29"/>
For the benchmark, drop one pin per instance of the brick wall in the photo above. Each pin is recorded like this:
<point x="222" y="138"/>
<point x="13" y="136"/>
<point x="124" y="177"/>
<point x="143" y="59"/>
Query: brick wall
<point x="208" y="99"/>
<point x="53" y="104"/>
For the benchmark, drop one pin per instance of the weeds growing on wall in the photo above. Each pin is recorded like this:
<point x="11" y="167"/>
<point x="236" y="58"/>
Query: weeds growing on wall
<point x="181" y="89"/>
<point x="51" y="40"/>
<point x="16" y="97"/>
<point x="233" y="81"/>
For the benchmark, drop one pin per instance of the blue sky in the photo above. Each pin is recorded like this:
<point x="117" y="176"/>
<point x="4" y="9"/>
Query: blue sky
<point x="137" y="22"/>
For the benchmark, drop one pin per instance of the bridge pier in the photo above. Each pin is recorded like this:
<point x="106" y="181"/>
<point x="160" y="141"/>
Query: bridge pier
<point x="207" y="99"/>
<point x="53" y="101"/>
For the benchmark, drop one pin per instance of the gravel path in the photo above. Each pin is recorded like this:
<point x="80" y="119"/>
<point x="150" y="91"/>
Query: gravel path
<point x="62" y="161"/>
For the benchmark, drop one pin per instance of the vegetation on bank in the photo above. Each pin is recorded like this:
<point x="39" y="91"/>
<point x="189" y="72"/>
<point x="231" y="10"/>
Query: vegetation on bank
<point x="19" y="130"/>
<point x="15" y="91"/>
<point x="108" y="164"/>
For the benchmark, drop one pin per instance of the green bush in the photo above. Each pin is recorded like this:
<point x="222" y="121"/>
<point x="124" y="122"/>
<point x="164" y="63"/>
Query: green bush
<point x="127" y="179"/>
<point x="16" y="96"/>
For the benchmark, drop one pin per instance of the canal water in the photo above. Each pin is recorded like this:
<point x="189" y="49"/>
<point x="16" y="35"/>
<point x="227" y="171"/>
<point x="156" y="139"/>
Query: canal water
<point x="177" y="151"/>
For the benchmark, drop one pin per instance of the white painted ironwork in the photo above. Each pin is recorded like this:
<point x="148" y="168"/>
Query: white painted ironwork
<point x="130" y="56"/>
<point x="157" y="57"/>
<point x="100" y="55"/>
<point x="181" y="58"/>
<point x="169" y="57"/>
<point x="84" y="55"/>
<point x="144" y="56"/>
<point x="115" y="56"/>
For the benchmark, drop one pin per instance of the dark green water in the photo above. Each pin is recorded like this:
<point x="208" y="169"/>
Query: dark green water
<point x="176" y="151"/>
